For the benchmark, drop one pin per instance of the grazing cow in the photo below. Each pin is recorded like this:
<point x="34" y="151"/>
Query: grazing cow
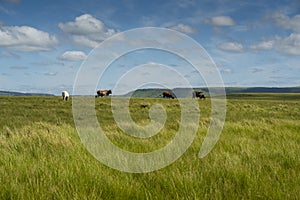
<point x="65" y="95"/>
<point x="168" y="95"/>
<point x="101" y="93"/>
<point x="198" y="95"/>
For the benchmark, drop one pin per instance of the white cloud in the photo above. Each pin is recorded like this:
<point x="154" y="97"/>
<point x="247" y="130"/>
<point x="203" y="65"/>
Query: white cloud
<point x="25" y="38"/>
<point x="263" y="45"/>
<point x="289" y="45"/>
<point x="73" y="56"/>
<point x="292" y="23"/>
<point x="87" y="30"/>
<point x="221" y="21"/>
<point x="84" y="24"/>
<point x="85" y="40"/>
<point x="231" y="46"/>
<point x="183" y="28"/>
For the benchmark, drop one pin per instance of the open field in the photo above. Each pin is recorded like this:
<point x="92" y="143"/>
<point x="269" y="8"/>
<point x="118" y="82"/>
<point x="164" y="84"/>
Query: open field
<point x="257" y="156"/>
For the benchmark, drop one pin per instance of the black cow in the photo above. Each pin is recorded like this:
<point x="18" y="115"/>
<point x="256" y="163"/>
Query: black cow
<point x="197" y="94"/>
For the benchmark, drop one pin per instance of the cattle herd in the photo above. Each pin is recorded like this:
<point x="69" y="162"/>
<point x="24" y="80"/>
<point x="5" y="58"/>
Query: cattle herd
<point x="170" y="95"/>
<point x="165" y="94"/>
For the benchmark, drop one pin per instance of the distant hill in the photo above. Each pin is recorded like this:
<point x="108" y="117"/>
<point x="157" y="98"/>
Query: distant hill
<point x="186" y="92"/>
<point x="230" y="90"/>
<point x="9" y="93"/>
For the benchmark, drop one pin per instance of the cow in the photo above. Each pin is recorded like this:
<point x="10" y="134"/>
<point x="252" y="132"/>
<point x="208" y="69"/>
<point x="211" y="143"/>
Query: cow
<point x="65" y="95"/>
<point x="167" y="94"/>
<point x="101" y="93"/>
<point x="197" y="94"/>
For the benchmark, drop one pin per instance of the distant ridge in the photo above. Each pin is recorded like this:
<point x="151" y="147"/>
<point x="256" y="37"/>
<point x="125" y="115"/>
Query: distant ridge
<point x="230" y="90"/>
<point x="10" y="93"/>
<point x="186" y="92"/>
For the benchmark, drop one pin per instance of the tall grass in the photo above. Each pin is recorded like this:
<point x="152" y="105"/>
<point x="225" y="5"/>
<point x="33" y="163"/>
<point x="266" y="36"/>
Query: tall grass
<point x="257" y="156"/>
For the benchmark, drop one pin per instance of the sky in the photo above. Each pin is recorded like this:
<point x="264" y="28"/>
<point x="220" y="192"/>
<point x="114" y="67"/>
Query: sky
<point x="44" y="44"/>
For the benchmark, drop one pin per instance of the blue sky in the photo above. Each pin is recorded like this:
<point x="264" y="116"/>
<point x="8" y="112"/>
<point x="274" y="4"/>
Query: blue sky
<point x="43" y="43"/>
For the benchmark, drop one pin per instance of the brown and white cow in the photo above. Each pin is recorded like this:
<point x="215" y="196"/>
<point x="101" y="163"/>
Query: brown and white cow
<point x="167" y="94"/>
<point x="102" y="93"/>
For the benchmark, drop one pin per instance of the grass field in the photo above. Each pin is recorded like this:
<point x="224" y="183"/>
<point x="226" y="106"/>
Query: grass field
<point x="257" y="156"/>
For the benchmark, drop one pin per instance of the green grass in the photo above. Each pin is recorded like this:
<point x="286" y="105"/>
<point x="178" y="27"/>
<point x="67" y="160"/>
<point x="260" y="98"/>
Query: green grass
<point x="257" y="156"/>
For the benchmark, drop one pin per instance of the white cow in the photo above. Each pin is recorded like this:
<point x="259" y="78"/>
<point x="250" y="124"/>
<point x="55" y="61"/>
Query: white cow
<point x="65" y="95"/>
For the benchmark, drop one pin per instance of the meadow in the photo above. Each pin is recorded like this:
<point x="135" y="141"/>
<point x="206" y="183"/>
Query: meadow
<point x="256" y="157"/>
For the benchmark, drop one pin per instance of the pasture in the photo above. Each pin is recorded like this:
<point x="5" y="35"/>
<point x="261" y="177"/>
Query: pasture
<point x="257" y="156"/>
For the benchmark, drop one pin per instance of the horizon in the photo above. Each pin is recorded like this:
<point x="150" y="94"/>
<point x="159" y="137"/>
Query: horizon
<point x="194" y="88"/>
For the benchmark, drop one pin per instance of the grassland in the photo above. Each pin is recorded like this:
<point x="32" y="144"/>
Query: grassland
<point x="257" y="156"/>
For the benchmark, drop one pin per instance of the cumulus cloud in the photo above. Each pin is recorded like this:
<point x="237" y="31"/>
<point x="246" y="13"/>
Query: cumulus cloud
<point x="25" y="38"/>
<point x="87" y="30"/>
<point x="221" y="21"/>
<point x="73" y="56"/>
<point x="183" y="28"/>
<point x="231" y="46"/>
<point x="288" y="45"/>
<point x="282" y="20"/>
<point x="263" y="45"/>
